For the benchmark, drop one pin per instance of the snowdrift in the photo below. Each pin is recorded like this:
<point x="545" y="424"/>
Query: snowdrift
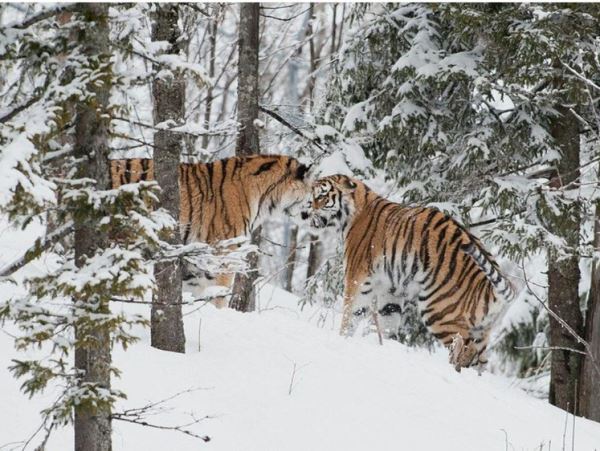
<point x="273" y="380"/>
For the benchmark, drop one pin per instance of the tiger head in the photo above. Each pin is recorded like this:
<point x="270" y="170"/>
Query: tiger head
<point x="333" y="201"/>
<point x="283" y="184"/>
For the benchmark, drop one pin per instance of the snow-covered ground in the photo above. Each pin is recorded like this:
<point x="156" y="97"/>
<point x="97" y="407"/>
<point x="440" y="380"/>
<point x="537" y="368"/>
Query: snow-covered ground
<point x="346" y="394"/>
<point x="274" y="380"/>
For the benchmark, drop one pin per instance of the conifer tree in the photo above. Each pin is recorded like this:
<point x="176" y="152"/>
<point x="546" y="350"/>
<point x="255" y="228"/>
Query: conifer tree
<point x="479" y="109"/>
<point x="62" y="81"/>
<point x="169" y="106"/>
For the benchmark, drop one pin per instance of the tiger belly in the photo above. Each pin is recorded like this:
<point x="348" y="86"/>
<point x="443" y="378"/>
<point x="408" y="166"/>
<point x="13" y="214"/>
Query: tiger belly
<point x="392" y="295"/>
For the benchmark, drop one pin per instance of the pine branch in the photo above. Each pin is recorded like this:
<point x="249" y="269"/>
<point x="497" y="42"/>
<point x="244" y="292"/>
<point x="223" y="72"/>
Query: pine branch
<point x="37" y="248"/>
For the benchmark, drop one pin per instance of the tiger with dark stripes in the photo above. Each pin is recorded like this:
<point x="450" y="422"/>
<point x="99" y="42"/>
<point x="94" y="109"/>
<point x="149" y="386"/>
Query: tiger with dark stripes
<point x="227" y="198"/>
<point x="396" y="255"/>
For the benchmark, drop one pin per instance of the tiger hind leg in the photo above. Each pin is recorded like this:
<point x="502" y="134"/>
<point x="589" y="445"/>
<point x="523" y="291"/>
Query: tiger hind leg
<point x="470" y="351"/>
<point x="462" y="352"/>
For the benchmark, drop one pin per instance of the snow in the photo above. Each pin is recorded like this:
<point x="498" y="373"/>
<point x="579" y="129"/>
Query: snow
<point x="350" y="394"/>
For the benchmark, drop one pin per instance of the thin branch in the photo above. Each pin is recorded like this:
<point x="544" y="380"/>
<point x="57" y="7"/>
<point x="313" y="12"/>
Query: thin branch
<point x="284" y="19"/>
<point x="581" y="77"/>
<point x="138" y="416"/>
<point x="195" y="7"/>
<point x="120" y="417"/>
<point x="193" y="301"/>
<point x="551" y="348"/>
<point x="296" y="130"/>
<point x="37" y="248"/>
<point x="588" y="351"/>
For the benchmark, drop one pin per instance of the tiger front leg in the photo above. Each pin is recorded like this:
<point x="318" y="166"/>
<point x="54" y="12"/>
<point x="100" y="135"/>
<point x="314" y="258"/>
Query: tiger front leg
<point x="357" y="302"/>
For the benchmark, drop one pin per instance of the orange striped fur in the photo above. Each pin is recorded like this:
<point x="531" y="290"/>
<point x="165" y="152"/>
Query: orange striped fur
<point x="397" y="254"/>
<point x="226" y="198"/>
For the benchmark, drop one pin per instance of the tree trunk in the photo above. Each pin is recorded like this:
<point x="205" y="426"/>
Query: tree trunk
<point x="315" y="249"/>
<point x="589" y="387"/>
<point x="93" y="426"/>
<point x="291" y="237"/>
<point x="211" y="70"/>
<point x="247" y="139"/>
<point x="563" y="274"/>
<point x="243" y="298"/>
<point x="314" y="256"/>
<point x="291" y="259"/>
<point x="169" y="104"/>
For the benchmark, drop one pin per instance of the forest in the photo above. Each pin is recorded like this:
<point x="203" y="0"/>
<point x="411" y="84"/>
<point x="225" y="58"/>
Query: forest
<point x="182" y="259"/>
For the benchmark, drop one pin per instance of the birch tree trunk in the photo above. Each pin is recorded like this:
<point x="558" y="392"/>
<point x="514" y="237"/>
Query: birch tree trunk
<point x="243" y="298"/>
<point x="93" y="351"/>
<point x="589" y="390"/>
<point x="563" y="274"/>
<point x="315" y="250"/>
<point x="169" y="104"/>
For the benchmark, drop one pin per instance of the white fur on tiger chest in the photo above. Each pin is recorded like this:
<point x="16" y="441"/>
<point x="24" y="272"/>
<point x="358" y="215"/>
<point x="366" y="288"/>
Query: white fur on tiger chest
<point x="388" y="287"/>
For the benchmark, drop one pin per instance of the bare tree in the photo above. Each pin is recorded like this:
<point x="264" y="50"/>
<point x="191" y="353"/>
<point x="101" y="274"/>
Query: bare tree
<point x="169" y="105"/>
<point x="243" y="298"/>
<point x="93" y="350"/>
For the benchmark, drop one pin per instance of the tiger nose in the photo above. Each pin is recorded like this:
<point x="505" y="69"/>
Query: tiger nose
<point x="304" y="215"/>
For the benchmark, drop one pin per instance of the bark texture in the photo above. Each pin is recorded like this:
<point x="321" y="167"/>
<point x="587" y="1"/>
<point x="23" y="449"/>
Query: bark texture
<point x="93" y="359"/>
<point x="168" y="105"/>
<point x="315" y="249"/>
<point x="314" y="256"/>
<point x="291" y="258"/>
<point x="589" y="389"/>
<point x="243" y="296"/>
<point x="247" y="139"/>
<point x="563" y="274"/>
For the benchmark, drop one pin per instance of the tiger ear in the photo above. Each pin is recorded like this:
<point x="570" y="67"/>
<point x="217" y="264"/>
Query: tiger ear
<point x="349" y="184"/>
<point x="305" y="172"/>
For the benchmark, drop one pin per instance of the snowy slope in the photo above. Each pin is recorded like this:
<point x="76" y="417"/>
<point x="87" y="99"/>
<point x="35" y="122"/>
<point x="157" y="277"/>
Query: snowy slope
<point x="347" y="394"/>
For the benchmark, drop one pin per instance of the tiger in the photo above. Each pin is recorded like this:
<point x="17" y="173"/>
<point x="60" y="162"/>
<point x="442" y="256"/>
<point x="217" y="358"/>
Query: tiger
<point x="227" y="198"/>
<point x="397" y="256"/>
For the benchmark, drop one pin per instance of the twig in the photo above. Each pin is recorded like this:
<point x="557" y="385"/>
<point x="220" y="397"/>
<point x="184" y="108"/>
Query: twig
<point x="193" y="301"/>
<point x="589" y="354"/>
<point x="199" y="334"/>
<point x="292" y="380"/>
<point x="138" y="416"/>
<point x="375" y="314"/>
<point x="284" y="19"/>
<point x="205" y="438"/>
<point x="551" y="348"/>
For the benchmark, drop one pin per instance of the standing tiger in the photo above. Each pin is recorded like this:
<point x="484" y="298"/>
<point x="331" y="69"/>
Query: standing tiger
<point x="396" y="255"/>
<point x="226" y="198"/>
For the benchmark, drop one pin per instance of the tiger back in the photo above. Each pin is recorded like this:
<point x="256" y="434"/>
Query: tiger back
<point x="227" y="198"/>
<point x="398" y="256"/>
